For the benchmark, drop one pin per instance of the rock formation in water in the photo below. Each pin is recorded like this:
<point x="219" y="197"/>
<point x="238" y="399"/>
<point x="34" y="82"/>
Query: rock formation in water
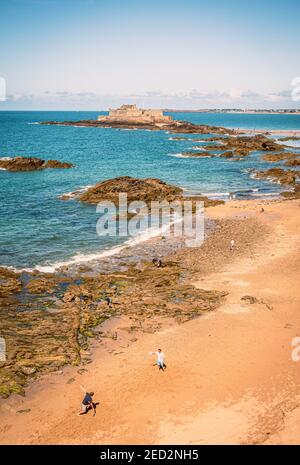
<point x="244" y="145"/>
<point x="293" y="162"/>
<point x="131" y="117"/>
<point x="275" y="157"/>
<point x="136" y="189"/>
<point x="288" y="177"/>
<point x="31" y="164"/>
<point x="145" y="190"/>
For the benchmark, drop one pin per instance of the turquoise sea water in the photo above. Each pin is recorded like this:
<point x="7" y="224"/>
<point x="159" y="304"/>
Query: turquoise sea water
<point x="36" y="228"/>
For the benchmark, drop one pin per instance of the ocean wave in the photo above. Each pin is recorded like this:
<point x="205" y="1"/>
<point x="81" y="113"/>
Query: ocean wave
<point x="81" y="258"/>
<point x="292" y="143"/>
<point x="216" y="194"/>
<point x="177" y="155"/>
<point x="242" y="193"/>
<point x="74" y="194"/>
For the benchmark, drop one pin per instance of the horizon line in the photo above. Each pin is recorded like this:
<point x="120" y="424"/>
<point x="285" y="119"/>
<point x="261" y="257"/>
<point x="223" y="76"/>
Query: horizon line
<point x="200" y="110"/>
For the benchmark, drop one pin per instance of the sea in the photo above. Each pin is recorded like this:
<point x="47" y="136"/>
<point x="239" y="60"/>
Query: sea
<point x="40" y="231"/>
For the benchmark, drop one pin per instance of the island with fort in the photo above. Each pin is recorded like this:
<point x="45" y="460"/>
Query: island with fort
<point x="132" y="117"/>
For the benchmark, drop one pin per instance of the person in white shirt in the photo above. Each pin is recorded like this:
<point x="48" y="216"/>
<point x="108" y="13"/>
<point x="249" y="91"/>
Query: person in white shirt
<point x="160" y="362"/>
<point x="232" y="244"/>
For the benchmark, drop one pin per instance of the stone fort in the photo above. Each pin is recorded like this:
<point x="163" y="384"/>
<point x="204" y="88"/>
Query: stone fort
<point x="132" y="114"/>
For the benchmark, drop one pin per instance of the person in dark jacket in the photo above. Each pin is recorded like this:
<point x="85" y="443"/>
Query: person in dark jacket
<point x="87" y="402"/>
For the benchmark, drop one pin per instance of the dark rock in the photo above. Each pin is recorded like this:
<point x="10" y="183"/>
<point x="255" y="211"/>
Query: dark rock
<point x="250" y="299"/>
<point x="30" y="164"/>
<point x="136" y="189"/>
<point x="275" y="157"/>
<point x="57" y="164"/>
<point x="279" y="175"/>
<point x="28" y="370"/>
<point x="227" y="154"/>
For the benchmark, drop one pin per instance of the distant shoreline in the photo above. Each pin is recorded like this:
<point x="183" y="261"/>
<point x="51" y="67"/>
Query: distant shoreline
<point x="166" y="110"/>
<point x="281" y="132"/>
<point x="237" y="112"/>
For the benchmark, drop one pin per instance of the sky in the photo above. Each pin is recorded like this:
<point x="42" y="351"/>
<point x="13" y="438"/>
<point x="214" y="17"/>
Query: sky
<point x="96" y="54"/>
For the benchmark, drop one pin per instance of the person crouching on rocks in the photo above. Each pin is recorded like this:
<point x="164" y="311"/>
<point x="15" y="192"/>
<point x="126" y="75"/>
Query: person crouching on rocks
<point x="87" y="402"/>
<point x="160" y="362"/>
<point x="157" y="262"/>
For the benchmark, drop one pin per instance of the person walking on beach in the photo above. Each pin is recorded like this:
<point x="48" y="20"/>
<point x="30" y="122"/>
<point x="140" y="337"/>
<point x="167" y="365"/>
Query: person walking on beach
<point x="160" y="362"/>
<point x="232" y="244"/>
<point x="87" y="402"/>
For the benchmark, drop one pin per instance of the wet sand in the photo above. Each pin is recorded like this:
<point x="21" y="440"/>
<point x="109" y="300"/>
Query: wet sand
<point x="230" y="377"/>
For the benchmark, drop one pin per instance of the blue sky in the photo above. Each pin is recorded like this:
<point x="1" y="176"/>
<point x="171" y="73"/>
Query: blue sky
<point x="92" y="54"/>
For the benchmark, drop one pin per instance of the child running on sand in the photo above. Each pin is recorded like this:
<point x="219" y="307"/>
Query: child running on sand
<point x="87" y="402"/>
<point x="160" y="359"/>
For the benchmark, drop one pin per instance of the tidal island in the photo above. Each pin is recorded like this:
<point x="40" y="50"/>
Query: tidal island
<point x="132" y="117"/>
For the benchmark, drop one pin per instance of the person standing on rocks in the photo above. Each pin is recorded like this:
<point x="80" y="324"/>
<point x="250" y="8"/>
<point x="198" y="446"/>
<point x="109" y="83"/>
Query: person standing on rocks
<point x="160" y="362"/>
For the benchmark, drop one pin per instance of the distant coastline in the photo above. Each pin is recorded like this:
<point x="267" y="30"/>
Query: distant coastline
<point x="236" y="111"/>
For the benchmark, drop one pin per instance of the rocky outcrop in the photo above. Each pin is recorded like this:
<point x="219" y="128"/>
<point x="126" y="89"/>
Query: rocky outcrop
<point x="288" y="177"/>
<point x="56" y="164"/>
<point x="31" y="164"/>
<point x="243" y="145"/>
<point x="52" y="325"/>
<point x="183" y="127"/>
<point x="49" y="320"/>
<point x="9" y="283"/>
<point x="227" y="154"/>
<point x="291" y="163"/>
<point x="145" y="190"/>
<point x="136" y="189"/>
<point x="275" y="157"/>
<point x="293" y="194"/>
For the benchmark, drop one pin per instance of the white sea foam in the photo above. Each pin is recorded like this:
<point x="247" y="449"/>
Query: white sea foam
<point x="190" y="155"/>
<point x="74" y="194"/>
<point x="265" y="194"/>
<point x="81" y="258"/>
<point x="292" y="143"/>
<point x="216" y="194"/>
<point x="177" y="155"/>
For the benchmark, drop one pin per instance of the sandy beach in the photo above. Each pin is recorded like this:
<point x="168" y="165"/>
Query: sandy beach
<point x="230" y="377"/>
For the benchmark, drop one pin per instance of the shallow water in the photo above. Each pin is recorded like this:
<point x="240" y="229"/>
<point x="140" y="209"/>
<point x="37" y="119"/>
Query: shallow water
<point x="36" y="228"/>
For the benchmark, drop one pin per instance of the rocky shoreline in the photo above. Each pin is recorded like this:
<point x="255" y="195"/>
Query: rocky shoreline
<point x="49" y="319"/>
